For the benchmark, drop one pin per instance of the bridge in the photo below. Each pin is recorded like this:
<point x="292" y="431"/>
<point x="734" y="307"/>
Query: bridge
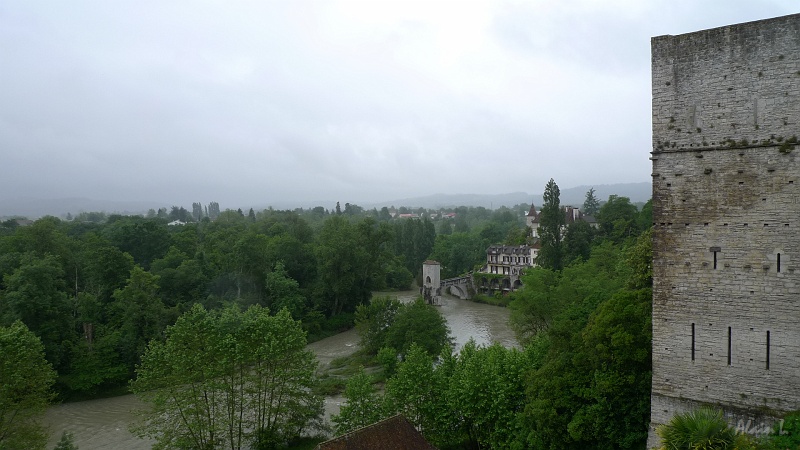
<point x="461" y="287"/>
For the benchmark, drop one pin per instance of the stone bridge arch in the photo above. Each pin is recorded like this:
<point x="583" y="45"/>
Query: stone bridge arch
<point x="459" y="292"/>
<point x="460" y="287"/>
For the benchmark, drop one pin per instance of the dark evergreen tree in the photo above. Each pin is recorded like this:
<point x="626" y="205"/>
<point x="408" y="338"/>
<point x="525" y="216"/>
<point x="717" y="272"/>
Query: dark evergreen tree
<point x="591" y="205"/>
<point x="551" y="221"/>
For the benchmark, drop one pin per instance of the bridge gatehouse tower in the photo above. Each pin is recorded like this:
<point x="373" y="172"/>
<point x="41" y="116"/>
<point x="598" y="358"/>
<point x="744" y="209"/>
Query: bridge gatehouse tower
<point x="431" y="282"/>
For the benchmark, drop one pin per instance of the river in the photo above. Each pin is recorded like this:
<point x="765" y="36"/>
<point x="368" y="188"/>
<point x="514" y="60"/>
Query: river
<point x="103" y="424"/>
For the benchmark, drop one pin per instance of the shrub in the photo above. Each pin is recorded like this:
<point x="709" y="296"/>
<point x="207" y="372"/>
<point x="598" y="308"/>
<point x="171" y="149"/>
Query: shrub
<point x="788" y="434"/>
<point x="701" y="429"/>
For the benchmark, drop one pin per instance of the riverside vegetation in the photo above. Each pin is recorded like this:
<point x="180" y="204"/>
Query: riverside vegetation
<point x="110" y="299"/>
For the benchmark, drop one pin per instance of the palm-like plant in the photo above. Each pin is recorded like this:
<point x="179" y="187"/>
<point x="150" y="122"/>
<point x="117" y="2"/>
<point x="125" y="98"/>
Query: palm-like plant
<point x="701" y="429"/>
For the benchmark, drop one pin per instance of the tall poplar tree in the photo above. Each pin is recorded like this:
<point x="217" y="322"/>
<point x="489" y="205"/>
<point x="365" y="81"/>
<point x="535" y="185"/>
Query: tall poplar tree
<point x="551" y="221"/>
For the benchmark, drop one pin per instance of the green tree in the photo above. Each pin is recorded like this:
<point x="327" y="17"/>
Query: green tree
<point x="460" y="224"/>
<point x="284" y="292"/>
<point x="374" y="239"/>
<point x="373" y="321"/>
<point x="178" y="378"/>
<point x="250" y="266"/>
<point x="591" y="205"/>
<point x="533" y="309"/>
<point x="407" y="395"/>
<point x="180" y="213"/>
<point x="98" y="364"/>
<point x="618" y="219"/>
<point x="228" y="379"/>
<point x="590" y="383"/>
<point x="362" y="407"/>
<point x="104" y="268"/>
<point x="180" y="278"/>
<point x="414" y="240"/>
<point x="517" y="235"/>
<point x="197" y="212"/>
<point x="616" y="351"/>
<point x="387" y="323"/>
<point x="25" y="388"/>
<point x="645" y="219"/>
<point x="384" y="215"/>
<point x="445" y="227"/>
<point x="342" y="262"/>
<point x="138" y="314"/>
<point x="421" y="324"/>
<point x="551" y="222"/>
<point x="397" y="276"/>
<point x="639" y="262"/>
<point x="144" y="239"/>
<point x="458" y="253"/>
<point x="35" y="294"/>
<point x="487" y="390"/>
<point x="43" y="237"/>
<point x="577" y="243"/>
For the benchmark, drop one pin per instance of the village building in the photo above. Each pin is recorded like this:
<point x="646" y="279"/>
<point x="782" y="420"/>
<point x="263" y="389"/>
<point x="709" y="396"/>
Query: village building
<point x="510" y="261"/>
<point x="571" y="215"/>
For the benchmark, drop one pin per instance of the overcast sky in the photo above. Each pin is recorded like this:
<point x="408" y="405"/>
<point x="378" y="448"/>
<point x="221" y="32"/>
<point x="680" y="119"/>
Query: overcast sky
<point x="252" y="103"/>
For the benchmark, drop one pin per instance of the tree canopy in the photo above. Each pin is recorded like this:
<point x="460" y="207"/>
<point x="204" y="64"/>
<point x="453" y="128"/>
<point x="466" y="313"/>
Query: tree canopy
<point x="25" y="382"/>
<point x="228" y="379"/>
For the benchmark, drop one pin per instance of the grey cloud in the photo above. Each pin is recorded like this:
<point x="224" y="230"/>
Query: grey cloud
<point x="248" y="103"/>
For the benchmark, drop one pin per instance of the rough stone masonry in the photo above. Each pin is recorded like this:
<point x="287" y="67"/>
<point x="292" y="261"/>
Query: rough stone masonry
<point x="726" y="212"/>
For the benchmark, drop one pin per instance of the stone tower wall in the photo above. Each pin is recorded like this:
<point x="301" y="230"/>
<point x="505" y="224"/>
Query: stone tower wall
<point x="726" y="212"/>
<point x="431" y="290"/>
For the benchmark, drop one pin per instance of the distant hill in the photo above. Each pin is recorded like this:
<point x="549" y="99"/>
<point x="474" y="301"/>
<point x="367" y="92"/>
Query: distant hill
<point x="59" y="207"/>
<point x="33" y="207"/>
<point x="637" y="192"/>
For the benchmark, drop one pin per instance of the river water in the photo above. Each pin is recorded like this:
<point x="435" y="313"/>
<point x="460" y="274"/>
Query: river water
<point x="103" y="424"/>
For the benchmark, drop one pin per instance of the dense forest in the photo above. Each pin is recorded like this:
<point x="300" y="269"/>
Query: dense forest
<point x="96" y="289"/>
<point x="102" y="292"/>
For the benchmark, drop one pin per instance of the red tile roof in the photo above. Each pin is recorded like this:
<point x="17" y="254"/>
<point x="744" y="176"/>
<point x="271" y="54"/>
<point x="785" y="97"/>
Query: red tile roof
<point x="394" y="433"/>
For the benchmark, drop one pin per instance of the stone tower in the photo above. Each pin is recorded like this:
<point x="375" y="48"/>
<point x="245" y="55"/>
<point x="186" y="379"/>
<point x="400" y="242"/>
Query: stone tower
<point x="726" y="212"/>
<point x="431" y="282"/>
